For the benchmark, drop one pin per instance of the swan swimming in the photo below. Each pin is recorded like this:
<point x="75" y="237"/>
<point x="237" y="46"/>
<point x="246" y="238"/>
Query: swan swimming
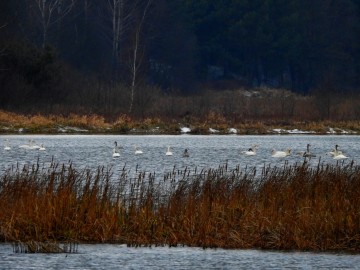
<point x="31" y="145"/>
<point x="116" y="150"/>
<point x="42" y="147"/>
<point x="168" y="152"/>
<point x="7" y="146"/>
<point x="280" y="154"/>
<point x="335" y="151"/>
<point x="337" y="154"/>
<point x="186" y="153"/>
<point x="251" y="151"/>
<point x="138" y="151"/>
<point x="340" y="156"/>
<point x="307" y="153"/>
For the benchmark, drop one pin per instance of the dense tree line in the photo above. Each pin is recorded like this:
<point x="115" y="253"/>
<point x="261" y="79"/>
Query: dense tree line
<point x="118" y="53"/>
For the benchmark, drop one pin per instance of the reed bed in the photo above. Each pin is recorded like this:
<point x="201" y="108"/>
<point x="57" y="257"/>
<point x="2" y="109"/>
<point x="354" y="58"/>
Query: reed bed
<point x="44" y="247"/>
<point x="294" y="207"/>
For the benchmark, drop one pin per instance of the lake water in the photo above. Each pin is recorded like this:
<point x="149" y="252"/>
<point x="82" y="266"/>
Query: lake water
<point x="210" y="151"/>
<point x="107" y="256"/>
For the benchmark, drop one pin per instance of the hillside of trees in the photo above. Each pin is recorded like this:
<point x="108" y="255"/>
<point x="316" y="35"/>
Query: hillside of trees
<point x="122" y="56"/>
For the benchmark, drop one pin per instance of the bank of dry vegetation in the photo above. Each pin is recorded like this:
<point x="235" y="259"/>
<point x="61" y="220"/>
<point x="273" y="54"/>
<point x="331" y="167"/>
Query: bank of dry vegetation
<point x="292" y="207"/>
<point x="256" y="111"/>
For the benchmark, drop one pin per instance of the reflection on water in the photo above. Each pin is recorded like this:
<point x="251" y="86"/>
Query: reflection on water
<point x="204" y="152"/>
<point x="121" y="257"/>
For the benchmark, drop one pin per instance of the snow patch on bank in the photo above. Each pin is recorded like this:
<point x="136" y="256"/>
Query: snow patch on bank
<point x="71" y="129"/>
<point x="211" y="130"/>
<point x="232" y="131"/>
<point x="185" y="130"/>
<point x="339" y="131"/>
<point x="292" y="131"/>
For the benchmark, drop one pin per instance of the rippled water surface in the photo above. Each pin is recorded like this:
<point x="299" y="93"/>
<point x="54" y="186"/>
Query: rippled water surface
<point x="121" y="257"/>
<point x="90" y="151"/>
<point x="205" y="151"/>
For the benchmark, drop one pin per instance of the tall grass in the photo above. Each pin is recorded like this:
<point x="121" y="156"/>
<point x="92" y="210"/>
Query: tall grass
<point x="168" y="123"/>
<point x="292" y="207"/>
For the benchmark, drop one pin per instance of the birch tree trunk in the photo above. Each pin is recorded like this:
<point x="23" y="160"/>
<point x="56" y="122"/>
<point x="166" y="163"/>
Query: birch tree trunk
<point x="136" y="61"/>
<point x="50" y="12"/>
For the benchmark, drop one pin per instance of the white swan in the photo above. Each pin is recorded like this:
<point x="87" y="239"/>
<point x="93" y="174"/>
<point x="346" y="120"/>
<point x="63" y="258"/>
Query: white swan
<point x="116" y="150"/>
<point x="31" y="145"/>
<point x="251" y="151"/>
<point x="7" y="146"/>
<point x="335" y="151"/>
<point x="42" y="147"/>
<point x="186" y="153"/>
<point x="279" y="154"/>
<point x="168" y="152"/>
<point x="25" y="146"/>
<point x="337" y="154"/>
<point x="340" y="156"/>
<point x="138" y="151"/>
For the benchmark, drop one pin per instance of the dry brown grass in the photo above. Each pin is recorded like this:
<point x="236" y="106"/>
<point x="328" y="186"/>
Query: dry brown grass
<point x="293" y="207"/>
<point x="11" y="122"/>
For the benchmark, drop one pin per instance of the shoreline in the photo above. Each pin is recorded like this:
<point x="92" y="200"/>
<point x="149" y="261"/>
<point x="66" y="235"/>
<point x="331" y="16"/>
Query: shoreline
<point x="12" y="123"/>
<point x="181" y="130"/>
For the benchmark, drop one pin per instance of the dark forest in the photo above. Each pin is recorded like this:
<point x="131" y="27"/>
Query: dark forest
<point x="123" y="56"/>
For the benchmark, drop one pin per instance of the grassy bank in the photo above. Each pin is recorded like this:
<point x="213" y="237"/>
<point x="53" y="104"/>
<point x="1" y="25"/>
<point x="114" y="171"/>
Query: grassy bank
<point x="293" y="207"/>
<point x="11" y="123"/>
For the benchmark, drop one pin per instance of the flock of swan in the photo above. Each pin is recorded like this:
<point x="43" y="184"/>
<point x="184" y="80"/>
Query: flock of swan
<point x="31" y="145"/>
<point x="335" y="153"/>
<point x="138" y="151"/>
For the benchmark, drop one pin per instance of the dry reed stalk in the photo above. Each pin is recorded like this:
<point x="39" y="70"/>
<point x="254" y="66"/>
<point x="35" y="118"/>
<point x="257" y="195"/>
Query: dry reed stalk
<point x="292" y="207"/>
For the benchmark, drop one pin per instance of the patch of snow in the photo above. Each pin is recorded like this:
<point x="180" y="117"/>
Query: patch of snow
<point x="185" y="130"/>
<point x="247" y="94"/>
<point x="278" y="130"/>
<point x="211" y="130"/>
<point x="296" y="131"/>
<point x="155" y="130"/>
<point x="343" y="131"/>
<point x="21" y="130"/>
<point x="232" y="130"/>
<point x="331" y="131"/>
<point x="71" y="129"/>
<point x="292" y="131"/>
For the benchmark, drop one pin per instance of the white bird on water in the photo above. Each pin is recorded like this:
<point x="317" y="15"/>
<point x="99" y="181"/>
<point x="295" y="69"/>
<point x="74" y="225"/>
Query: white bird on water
<point x="251" y="151"/>
<point x="7" y="146"/>
<point x="280" y="154"/>
<point x="337" y="154"/>
<point x="138" y="151"/>
<point x="168" y="152"/>
<point x="31" y="145"/>
<point x="42" y="147"/>
<point x="116" y="150"/>
<point x="335" y="151"/>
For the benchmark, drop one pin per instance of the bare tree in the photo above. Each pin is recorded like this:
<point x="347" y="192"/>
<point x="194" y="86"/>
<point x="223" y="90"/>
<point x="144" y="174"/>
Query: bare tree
<point x="121" y="15"/>
<point x="50" y="12"/>
<point x="136" y="59"/>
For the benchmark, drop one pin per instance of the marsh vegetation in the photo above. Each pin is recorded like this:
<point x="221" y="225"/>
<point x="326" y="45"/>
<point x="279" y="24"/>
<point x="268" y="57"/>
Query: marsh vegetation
<point x="290" y="207"/>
